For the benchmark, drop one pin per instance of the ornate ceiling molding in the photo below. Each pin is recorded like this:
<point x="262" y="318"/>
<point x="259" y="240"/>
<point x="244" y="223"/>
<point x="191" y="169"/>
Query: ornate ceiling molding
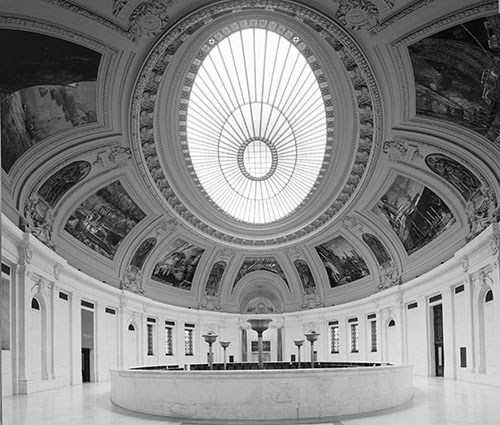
<point x="368" y="104"/>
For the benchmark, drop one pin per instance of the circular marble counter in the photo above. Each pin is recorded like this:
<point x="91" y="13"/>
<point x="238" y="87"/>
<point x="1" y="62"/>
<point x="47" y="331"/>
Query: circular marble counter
<point x="262" y="394"/>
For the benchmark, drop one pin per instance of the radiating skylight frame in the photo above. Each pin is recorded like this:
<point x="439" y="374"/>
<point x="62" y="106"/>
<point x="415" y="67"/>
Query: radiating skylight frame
<point x="254" y="94"/>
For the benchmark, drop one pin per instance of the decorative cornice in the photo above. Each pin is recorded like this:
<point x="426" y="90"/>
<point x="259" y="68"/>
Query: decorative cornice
<point x="382" y="25"/>
<point x="79" y="10"/>
<point x="441" y="23"/>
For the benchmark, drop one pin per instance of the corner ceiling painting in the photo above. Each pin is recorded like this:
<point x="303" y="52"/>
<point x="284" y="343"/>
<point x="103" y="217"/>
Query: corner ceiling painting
<point x="269" y="264"/>
<point x="215" y="277"/>
<point x="178" y="266"/>
<point x="142" y="252"/>
<point x="306" y="277"/>
<point x="454" y="173"/>
<point x="380" y="253"/>
<point x="46" y="85"/>
<point x="60" y="182"/>
<point x="414" y="212"/>
<point x="457" y="76"/>
<point x="103" y="220"/>
<point x="342" y="262"/>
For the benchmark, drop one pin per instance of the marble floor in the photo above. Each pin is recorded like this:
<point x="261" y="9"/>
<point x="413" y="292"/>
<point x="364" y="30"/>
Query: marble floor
<point x="437" y="401"/>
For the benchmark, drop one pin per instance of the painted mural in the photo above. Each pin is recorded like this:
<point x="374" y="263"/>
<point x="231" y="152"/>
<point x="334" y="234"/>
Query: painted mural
<point x="342" y="262"/>
<point x="215" y="278"/>
<point x="457" y="75"/>
<point x="142" y="252"/>
<point x="178" y="266"/>
<point x="414" y="212"/>
<point x="380" y="253"/>
<point x="104" y="219"/>
<point x="306" y="277"/>
<point x="454" y="173"/>
<point x="47" y="85"/>
<point x="269" y="264"/>
<point x="59" y="183"/>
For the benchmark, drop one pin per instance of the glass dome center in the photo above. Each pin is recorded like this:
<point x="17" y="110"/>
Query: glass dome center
<point x="256" y="126"/>
<point x="257" y="159"/>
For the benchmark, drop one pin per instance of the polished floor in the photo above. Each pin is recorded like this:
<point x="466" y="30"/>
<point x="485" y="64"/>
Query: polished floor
<point x="437" y="401"/>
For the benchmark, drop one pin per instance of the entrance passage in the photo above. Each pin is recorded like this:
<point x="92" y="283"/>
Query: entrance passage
<point x="86" y="364"/>
<point x="437" y="311"/>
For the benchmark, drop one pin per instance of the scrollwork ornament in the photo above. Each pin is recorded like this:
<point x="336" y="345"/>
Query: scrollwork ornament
<point x="123" y="301"/>
<point x="28" y="253"/>
<point x="494" y="245"/>
<point x="484" y="277"/>
<point x="465" y="264"/>
<point x="119" y="155"/>
<point x="57" y="271"/>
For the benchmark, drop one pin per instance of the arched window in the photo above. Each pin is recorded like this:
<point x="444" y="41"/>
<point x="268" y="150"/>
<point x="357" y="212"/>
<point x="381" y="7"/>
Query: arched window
<point x="489" y="296"/>
<point x="391" y="323"/>
<point x="35" y="305"/>
<point x="131" y="327"/>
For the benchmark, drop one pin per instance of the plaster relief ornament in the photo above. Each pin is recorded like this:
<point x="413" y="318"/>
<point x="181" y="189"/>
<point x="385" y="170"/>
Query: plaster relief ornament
<point x="389" y="276"/>
<point x="465" y="264"/>
<point x="210" y="302"/>
<point x="40" y="220"/>
<point x="145" y="17"/>
<point x="401" y="150"/>
<point x="57" y="271"/>
<point x="311" y="300"/>
<point x="132" y="281"/>
<point x="482" y="210"/>
<point x="494" y="245"/>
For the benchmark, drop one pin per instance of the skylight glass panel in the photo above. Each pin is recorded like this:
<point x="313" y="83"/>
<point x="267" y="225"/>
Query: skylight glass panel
<point x="256" y="126"/>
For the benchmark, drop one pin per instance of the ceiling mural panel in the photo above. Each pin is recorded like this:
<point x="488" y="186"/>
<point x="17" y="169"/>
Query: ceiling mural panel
<point x="457" y="74"/>
<point x="454" y="173"/>
<point x="142" y="252"/>
<point x="342" y="262"/>
<point x="178" y="266"/>
<point x="47" y="85"/>
<point x="306" y="277"/>
<point x="103" y="220"/>
<point x="59" y="183"/>
<point x="268" y="264"/>
<point x="380" y="253"/>
<point x="215" y="278"/>
<point x="414" y="212"/>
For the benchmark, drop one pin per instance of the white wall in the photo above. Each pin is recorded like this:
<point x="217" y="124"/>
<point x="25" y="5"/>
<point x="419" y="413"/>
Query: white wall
<point x="47" y="352"/>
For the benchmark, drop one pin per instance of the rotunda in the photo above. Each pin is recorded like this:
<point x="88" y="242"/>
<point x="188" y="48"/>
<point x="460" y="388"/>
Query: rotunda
<point x="173" y="168"/>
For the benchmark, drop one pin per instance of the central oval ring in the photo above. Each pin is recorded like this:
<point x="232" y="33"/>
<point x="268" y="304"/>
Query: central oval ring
<point x="257" y="159"/>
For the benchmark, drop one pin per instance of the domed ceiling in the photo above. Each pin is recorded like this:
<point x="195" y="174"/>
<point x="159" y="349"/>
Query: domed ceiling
<point x="251" y="156"/>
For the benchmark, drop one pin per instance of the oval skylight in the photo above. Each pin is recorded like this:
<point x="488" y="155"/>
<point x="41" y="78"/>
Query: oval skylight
<point x="256" y="126"/>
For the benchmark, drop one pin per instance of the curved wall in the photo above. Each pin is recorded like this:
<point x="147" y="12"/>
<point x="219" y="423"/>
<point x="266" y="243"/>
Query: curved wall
<point x="128" y="330"/>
